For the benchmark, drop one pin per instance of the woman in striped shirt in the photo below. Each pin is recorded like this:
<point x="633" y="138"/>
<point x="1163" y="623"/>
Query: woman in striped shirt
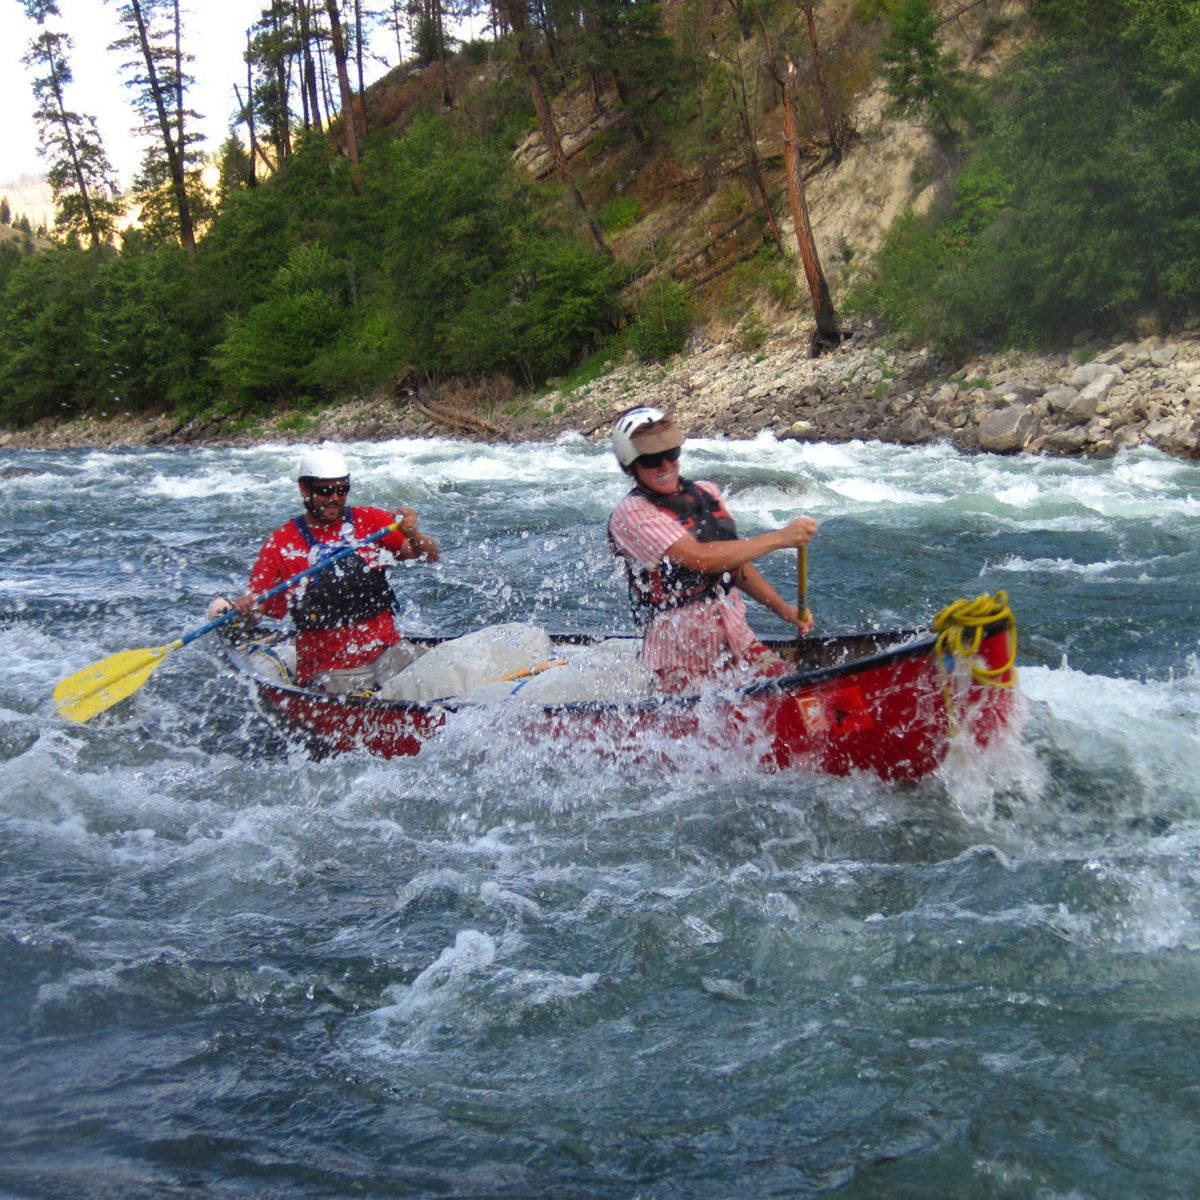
<point x="687" y="568"/>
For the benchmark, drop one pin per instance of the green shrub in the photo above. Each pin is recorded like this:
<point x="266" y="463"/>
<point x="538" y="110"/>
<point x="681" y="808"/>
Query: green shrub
<point x="154" y="330"/>
<point x="477" y="280"/>
<point x="1078" y="207"/>
<point x="621" y="212"/>
<point x="279" y="344"/>
<point x="728" y="204"/>
<point x="768" y="274"/>
<point x="661" y="319"/>
<point x="476" y="52"/>
<point x="47" y="322"/>
<point x="750" y="333"/>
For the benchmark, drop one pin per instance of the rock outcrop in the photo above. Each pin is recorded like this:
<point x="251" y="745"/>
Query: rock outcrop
<point x="1127" y="394"/>
<point x="1091" y="402"/>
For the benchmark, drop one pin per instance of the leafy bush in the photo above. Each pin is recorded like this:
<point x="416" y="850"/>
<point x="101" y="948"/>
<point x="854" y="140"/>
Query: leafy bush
<point x="750" y="333"/>
<point x="477" y="281"/>
<point x="477" y="51"/>
<point x="152" y="330"/>
<point x="621" y="212"/>
<point x="661" y="319"/>
<point x="769" y="273"/>
<point x="46" y="324"/>
<point x="279" y="345"/>
<point x="1079" y="205"/>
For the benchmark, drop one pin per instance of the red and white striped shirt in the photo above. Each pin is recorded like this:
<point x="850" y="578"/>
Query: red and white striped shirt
<point x="695" y="640"/>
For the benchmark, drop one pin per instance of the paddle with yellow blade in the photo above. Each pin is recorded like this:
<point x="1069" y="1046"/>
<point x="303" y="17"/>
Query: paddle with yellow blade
<point x="81" y="696"/>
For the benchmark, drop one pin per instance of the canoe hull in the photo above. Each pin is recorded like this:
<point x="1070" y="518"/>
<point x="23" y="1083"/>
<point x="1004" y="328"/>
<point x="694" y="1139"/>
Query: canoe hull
<point x="883" y="703"/>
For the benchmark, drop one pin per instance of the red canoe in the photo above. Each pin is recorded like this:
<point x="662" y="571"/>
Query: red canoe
<point x="888" y="702"/>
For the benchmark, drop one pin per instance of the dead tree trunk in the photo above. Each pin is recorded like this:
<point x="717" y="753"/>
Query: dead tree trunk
<point x="835" y="127"/>
<point x="758" y="178"/>
<point x="518" y="19"/>
<point x="827" y="334"/>
<point x="349" y="127"/>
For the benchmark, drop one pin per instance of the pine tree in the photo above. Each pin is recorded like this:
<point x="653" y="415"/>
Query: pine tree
<point x="350" y="130"/>
<point x="516" y="15"/>
<point x="169" y="178"/>
<point x="79" y="172"/>
<point x="270" y="55"/>
<point x="921" y="76"/>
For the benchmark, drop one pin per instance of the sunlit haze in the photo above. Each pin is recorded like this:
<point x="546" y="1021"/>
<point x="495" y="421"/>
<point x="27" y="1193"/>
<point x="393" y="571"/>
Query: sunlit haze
<point x="215" y="35"/>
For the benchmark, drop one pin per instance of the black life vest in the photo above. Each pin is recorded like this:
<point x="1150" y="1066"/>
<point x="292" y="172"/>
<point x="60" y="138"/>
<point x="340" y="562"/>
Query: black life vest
<point x="345" y="593"/>
<point x="669" y="585"/>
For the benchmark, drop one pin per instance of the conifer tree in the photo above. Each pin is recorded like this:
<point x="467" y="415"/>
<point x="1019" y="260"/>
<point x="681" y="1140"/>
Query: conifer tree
<point x="79" y="173"/>
<point x="169" y="177"/>
<point x="270" y="53"/>
<point x="835" y="122"/>
<point x="309" y="32"/>
<point x="921" y="76"/>
<point x="350" y="131"/>
<point x="516" y="16"/>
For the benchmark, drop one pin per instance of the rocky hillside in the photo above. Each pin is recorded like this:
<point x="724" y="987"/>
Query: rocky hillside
<point x="698" y="223"/>
<point x="1095" y="399"/>
<point x="28" y="197"/>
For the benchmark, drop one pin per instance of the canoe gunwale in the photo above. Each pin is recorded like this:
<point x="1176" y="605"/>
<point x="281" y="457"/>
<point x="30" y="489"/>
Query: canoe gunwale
<point x="898" y="644"/>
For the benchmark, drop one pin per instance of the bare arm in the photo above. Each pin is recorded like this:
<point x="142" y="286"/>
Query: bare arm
<point x="728" y="556"/>
<point x="751" y="580"/>
<point x="423" y="547"/>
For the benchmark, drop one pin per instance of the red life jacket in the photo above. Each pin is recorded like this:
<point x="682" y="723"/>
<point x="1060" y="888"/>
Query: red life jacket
<point x="668" y="585"/>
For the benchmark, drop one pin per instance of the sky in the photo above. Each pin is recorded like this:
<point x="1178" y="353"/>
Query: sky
<point x="214" y="33"/>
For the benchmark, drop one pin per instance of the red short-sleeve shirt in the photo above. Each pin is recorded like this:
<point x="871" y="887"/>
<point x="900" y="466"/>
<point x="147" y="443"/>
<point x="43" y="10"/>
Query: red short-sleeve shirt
<point x="285" y="553"/>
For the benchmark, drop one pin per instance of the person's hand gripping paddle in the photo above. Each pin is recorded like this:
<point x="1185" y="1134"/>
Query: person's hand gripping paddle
<point x="802" y="584"/>
<point x="81" y="696"/>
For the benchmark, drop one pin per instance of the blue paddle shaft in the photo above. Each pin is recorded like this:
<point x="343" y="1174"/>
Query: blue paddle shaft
<point x="287" y="583"/>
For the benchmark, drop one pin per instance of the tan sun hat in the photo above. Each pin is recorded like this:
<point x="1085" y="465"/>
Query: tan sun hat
<point x="644" y="431"/>
<point x="661" y="435"/>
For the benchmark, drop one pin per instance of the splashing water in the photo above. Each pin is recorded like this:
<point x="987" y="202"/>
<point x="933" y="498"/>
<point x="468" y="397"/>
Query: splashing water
<point x="506" y="968"/>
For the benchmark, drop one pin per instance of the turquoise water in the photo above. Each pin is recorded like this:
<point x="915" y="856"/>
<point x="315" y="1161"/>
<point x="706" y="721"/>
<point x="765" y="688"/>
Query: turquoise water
<point x="505" y="969"/>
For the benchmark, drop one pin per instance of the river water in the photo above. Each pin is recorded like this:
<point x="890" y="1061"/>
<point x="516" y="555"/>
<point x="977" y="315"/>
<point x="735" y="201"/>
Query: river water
<point x="504" y="969"/>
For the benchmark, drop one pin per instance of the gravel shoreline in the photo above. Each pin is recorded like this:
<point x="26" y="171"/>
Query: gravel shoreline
<point x="1093" y="400"/>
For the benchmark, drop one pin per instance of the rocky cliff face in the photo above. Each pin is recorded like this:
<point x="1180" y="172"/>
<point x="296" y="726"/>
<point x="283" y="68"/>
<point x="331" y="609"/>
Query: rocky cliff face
<point x="30" y="197"/>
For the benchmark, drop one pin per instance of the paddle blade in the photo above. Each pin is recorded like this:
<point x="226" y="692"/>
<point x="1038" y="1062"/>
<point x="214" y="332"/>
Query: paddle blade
<point x="81" y="696"/>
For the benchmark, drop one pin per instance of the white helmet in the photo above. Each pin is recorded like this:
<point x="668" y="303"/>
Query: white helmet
<point x="322" y="463"/>
<point x="643" y="431"/>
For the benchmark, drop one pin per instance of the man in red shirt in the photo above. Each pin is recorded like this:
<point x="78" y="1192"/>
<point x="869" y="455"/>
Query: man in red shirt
<point x="346" y="635"/>
<point x="687" y="568"/>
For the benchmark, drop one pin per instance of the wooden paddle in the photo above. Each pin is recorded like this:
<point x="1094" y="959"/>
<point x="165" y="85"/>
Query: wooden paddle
<point x="81" y="696"/>
<point x="802" y="582"/>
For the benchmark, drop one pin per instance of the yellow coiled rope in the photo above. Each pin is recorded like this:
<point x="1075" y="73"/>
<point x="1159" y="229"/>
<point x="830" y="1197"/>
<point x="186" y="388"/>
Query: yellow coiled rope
<point x="960" y="628"/>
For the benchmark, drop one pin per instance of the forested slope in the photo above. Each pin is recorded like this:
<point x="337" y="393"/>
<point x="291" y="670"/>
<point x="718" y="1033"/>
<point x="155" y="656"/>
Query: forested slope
<point x="603" y="178"/>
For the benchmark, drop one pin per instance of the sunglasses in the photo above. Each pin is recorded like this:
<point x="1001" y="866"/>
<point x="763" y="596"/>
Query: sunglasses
<point x="325" y="490"/>
<point x="650" y="461"/>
